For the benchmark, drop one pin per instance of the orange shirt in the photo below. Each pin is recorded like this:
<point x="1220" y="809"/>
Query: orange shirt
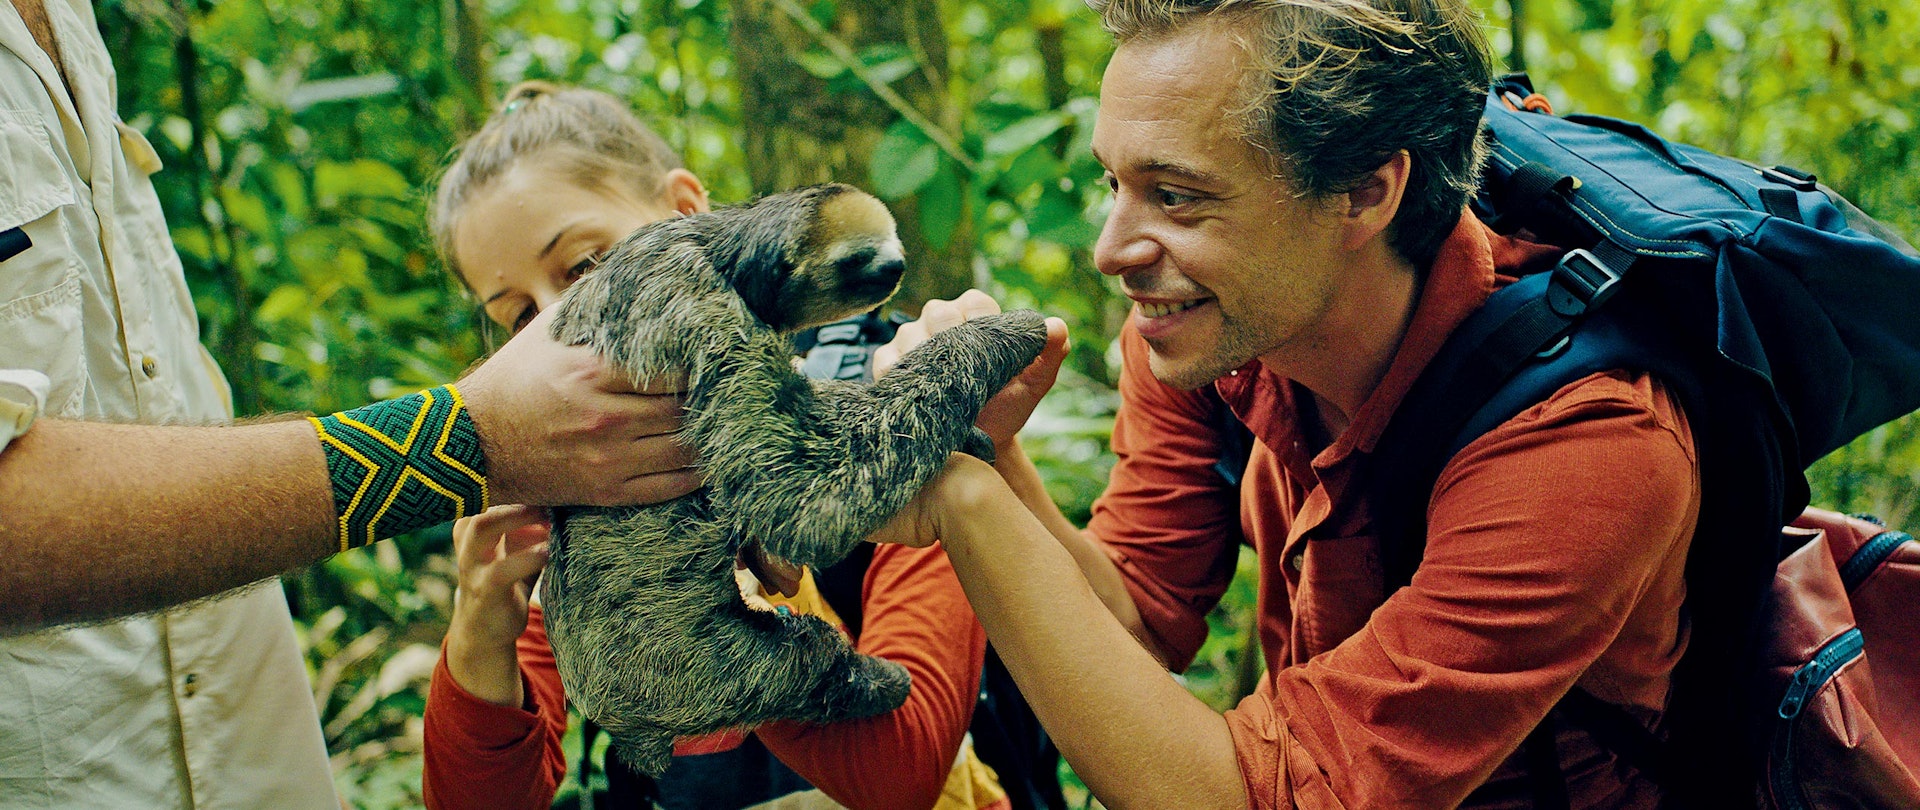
<point x="1555" y="550"/>
<point x="481" y="755"/>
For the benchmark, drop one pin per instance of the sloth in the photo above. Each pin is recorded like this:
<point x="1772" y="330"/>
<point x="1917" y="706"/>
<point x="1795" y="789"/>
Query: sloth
<point x="647" y="622"/>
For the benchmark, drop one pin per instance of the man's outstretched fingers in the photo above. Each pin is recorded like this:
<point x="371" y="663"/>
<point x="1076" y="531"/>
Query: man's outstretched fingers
<point x="976" y="304"/>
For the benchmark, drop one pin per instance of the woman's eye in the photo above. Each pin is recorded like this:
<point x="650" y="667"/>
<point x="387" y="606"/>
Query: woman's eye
<point x="585" y="266"/>
<point x="521" y="320"/>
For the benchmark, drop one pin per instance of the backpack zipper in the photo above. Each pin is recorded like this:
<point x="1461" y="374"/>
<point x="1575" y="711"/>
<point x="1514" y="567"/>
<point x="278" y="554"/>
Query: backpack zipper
<point x="1806" y="680"/>
<point x="1815" y="673"/>
<point x="1870" y="556"/>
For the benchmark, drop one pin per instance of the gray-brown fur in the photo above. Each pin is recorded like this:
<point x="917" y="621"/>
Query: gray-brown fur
<point x="647" y="624"/>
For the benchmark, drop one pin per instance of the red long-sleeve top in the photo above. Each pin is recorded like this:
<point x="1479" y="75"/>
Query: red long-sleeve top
<point x="480" y="755"/>
<point x="1555" y="550"/>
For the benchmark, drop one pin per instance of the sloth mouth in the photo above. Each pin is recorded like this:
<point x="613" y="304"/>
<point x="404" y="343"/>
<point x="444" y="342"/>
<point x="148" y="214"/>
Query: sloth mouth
<point x="761" y="575"/>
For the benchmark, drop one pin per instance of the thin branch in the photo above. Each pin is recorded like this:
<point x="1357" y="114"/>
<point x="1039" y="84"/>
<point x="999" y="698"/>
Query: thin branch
<point x="844" y="53"/>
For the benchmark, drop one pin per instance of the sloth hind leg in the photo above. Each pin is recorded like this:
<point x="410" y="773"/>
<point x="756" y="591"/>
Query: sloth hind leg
<point x="799" y="667"/>
<point x="647" y="749"/>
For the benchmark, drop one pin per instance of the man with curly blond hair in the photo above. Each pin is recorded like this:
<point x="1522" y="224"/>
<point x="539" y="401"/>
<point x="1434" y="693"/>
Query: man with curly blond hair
<point x="1290" y="180"/>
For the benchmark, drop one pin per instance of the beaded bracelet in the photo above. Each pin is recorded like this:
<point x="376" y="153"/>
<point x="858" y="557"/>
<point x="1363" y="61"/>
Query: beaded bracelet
<point x="403" y="464"/>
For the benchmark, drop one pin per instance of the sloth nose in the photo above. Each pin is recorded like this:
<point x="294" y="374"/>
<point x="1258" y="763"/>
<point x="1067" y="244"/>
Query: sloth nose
<point x="883" y="271"/>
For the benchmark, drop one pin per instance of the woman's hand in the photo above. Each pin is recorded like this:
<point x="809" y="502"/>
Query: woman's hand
<point x="501" y="553"/>
<point x="1008" y="411"/>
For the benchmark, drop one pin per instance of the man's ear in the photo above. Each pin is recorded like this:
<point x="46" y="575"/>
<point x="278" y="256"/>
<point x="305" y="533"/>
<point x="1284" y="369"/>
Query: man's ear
<point x="684" y="192"/>
<point x="1370" y="206"/>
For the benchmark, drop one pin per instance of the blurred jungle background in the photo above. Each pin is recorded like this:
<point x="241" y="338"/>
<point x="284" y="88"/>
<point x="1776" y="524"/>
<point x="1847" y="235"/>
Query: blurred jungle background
<point x="299" y="136"/>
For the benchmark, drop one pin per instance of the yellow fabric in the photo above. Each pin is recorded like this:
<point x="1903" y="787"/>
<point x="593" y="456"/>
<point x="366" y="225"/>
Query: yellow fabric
<point x="971" y="785"/>
<point x="806" y="600"/>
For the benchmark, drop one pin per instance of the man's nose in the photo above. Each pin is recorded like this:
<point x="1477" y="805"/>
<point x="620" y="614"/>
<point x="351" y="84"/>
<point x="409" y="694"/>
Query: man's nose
<point x="1123" y="245"/>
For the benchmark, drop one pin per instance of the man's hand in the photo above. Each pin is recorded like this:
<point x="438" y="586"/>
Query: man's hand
<point x="963" y="484"/>
<point x="1008" y="411"/>
<point x="560" y="427"/>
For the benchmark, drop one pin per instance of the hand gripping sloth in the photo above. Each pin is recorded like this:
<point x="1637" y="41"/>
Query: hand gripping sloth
<point x="647" y="623"/>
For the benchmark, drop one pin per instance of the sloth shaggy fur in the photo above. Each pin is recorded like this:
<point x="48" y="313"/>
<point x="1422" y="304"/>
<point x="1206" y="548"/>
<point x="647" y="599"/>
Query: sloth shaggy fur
<point x="647" y="623"/>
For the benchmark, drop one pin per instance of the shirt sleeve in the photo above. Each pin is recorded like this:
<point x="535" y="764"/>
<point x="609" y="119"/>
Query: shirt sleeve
<point x="1548" y="539"/>
<point x="915" y="615"/>
<point x="22" y="396"/>
<point x="481" y="755"/>
<point x="1168" y="521"/>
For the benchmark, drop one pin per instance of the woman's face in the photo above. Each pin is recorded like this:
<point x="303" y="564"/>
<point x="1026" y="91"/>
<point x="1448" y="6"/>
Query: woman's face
<point x="524" y="238"/>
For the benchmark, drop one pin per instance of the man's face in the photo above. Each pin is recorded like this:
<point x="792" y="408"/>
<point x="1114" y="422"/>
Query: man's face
<point x="1224" y="264"/>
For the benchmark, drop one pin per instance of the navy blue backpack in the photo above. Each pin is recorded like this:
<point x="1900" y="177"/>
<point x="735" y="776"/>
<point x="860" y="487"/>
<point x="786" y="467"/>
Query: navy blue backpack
<point x="1780" y="315"/>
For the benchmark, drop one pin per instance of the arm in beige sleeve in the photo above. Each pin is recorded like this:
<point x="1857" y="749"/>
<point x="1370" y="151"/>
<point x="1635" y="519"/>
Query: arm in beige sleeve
<point x="99" y="520"/>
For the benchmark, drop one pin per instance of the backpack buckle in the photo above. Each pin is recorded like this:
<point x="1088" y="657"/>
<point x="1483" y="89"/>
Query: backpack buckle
<point x="1581" y="281"/>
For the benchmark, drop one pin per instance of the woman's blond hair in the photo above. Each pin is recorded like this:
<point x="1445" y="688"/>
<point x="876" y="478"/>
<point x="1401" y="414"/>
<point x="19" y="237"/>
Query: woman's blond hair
<point x="595" y="137"/>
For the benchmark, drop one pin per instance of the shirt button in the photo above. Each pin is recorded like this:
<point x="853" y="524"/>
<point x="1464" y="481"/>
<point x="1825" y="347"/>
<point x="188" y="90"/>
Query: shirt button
<point x="1298" y="561"/>
<point x="148" y="365"/>
<point x="189" y="684"/>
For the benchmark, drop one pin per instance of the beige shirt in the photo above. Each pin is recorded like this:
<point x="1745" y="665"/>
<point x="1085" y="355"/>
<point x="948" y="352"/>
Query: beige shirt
<point x="207" y="707"/>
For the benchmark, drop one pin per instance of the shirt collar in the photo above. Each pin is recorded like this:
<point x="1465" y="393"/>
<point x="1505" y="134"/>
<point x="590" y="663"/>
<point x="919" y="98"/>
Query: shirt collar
<point x="1461" y="278"/>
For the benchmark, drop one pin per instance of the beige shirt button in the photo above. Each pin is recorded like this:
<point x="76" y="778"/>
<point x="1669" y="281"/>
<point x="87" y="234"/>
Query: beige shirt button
<point x="189" y="684"/>
<point x="149" y="366"/>
<point x="1298" y="561"/>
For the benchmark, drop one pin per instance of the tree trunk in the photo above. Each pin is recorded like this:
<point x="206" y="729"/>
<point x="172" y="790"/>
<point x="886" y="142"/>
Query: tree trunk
<point x="799" y="130"/>
<point x="465" y="30"/>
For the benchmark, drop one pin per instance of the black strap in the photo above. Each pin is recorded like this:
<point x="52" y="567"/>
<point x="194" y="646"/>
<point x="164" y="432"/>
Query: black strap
<point x="1541" y="753"/>
<point x="1781" y="203"/>
<point x="13" y="242"/>
<point x="1618" y="731"/>
<point x="1476" y="364"/>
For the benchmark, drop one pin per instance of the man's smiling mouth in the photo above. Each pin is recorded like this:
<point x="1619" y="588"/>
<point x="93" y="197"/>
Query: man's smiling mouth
<point x="1163" y="310"/>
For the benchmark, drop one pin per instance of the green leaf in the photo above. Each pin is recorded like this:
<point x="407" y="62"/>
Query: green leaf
<point x="283" y="303"/>
<point x="246" y="211"/>
<point x="192" y="242"/>
<point x="820" y="65"/>
<point x="940" y="206"/>
<point x="1034" y="167"/>
<point x="1023" y="134"/>
<point x="360" y="178"/>
<point x="292" y="190"/>
<point x="892" y="70"/>
<point x="1059" y="217"/>
<point x="903" y="161"/>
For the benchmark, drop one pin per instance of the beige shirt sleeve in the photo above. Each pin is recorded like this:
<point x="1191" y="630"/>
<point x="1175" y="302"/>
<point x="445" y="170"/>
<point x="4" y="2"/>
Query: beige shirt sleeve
<point x="22" y="395"/>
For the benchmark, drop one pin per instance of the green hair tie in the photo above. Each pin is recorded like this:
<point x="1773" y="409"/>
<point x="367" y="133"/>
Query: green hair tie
<point x="403" y="464"/>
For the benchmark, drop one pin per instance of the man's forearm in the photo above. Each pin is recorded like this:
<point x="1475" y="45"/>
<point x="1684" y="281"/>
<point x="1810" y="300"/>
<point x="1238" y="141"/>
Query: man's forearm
<point x="1134" y="735"/>
<point x="1016" y="468"/>
<point x="104" y="520"/>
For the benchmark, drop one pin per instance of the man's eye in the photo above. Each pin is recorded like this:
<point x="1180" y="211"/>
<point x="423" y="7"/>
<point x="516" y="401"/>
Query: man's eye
<point x="1173" y="199"/>
<point x="1113" y="183"/>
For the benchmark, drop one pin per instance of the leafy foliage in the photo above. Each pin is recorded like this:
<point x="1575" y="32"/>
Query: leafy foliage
<point x="301" y="136"/>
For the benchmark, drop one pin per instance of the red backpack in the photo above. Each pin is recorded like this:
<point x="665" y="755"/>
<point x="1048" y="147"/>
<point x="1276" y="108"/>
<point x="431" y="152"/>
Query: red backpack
<point x="1844" y="658"/>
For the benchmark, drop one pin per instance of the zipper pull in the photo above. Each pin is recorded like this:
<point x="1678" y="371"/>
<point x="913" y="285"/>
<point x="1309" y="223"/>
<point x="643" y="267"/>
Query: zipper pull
<point x="1803" y="680"/>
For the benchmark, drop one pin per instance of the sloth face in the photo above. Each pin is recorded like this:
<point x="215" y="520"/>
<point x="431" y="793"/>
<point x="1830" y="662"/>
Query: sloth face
<point x="810" y="256"/>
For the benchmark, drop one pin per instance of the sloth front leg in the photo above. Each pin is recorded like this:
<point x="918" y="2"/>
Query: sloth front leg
<point x="871" y="448"/>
